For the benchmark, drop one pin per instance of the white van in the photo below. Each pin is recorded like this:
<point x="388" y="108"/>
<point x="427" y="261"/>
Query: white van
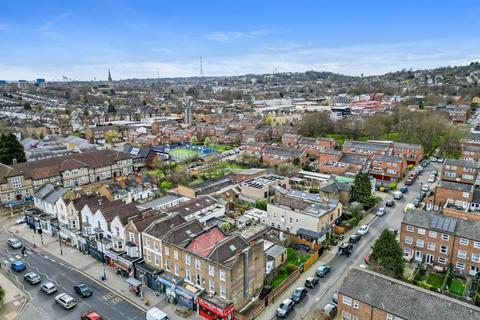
<point x="156" y="314"/>
<point x="397" y="195"/>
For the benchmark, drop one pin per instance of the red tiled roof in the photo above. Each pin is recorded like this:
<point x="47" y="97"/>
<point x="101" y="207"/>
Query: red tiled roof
<point x="204" y="243"/>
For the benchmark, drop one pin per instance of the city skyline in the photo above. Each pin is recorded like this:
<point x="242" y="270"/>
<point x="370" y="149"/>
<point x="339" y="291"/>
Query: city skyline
<point x="82" y="40"/>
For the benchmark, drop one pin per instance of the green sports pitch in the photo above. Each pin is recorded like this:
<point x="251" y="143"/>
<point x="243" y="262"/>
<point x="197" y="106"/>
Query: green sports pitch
<point x="182" y="154"/>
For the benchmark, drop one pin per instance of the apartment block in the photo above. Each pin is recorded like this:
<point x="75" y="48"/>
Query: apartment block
<point x="365" y="294"/>
<point x="439" y="240"/>
<point x="460" y="171"/>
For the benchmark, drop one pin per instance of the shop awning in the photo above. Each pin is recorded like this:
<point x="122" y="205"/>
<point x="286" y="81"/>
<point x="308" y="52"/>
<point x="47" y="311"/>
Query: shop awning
<point x="134" y="282"/>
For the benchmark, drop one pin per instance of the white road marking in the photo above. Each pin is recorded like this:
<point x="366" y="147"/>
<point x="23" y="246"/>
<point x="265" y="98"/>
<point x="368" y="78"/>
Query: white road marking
<point x="18" y="257"/>
<point x="11" y="259"/>
<point x="6" y="261"/>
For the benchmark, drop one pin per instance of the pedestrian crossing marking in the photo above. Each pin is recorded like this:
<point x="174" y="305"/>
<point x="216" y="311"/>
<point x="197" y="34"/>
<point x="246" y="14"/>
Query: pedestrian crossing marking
<point x="6" y="261"/>
<point x="18" y="256"/>
<point x="11" y="259"/>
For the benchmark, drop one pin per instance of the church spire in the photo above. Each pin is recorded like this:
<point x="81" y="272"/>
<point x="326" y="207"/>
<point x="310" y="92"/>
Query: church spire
<point x="109" y="76"/>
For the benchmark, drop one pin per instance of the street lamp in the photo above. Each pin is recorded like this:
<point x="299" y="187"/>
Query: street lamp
<point x="59" y="236"/>
<point x="103" y="262"/>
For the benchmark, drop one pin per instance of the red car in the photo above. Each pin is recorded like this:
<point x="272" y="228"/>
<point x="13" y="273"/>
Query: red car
<point x="91" y="315"/>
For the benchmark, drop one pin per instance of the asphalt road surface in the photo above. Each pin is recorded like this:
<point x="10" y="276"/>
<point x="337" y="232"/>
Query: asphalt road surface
<point x="317" y="298"/>
<point x="103" y="300"/>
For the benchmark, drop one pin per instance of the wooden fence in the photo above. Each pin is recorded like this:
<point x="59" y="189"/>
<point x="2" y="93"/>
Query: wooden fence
<point x="270" y="298"/>
<point x="310" y="261"/>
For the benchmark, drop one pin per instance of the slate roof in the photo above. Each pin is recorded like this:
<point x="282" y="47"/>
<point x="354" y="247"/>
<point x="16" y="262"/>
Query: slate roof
<point x="461" y="163"/>
<point x="354" y="159"/>
<point x="455" y="186"/>
<point x="402" y="299"/>
<point x="191" y="206"/>
<point x="50" y="167"/>
<point x="162" y="226"/>
<point x="182" y="235"/>
<point x="143" y="220"/>
<point x="407" y="145"/>
<point x="470" y="148"/>
<point x="284" y="152"/>
<point x="336" y="186"/>
<point x="228" y="248"/>
<point x="8" y="171"/>
<point x="424" y="219"/>
<point x="88" y="200"/>
<point x="367" y="145"/>
<point x="388" y="159"/>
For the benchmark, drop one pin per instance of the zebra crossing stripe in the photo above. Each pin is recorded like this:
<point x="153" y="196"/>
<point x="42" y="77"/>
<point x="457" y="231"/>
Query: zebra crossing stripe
<point x="18" y="257"/>
<point x="11" y="259"/>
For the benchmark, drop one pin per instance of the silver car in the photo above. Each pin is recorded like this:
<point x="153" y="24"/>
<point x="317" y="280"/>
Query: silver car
<point x="33" y="278"/>
<point x="14" y="243"/>
<point x="66" y="301"/>
<point x="48" y="287"/>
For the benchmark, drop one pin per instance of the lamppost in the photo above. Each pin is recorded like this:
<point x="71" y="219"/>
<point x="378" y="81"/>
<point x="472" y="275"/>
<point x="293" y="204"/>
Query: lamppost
<point x="103" y="262"/>
<point x="59" y="236"/>
<point x="33" y="236"/>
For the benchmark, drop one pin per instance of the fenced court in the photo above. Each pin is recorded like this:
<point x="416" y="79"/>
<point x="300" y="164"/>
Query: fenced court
<point x="188" y="151"/>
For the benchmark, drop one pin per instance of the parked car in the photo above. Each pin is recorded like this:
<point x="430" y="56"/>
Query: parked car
<point x="83" y="290"/>
<point x="345" y="249"/>
<point x="285" y="308"/>
<point x="18" y="266"/>
<point x="323" y="270"/>
<point x="156" y="314"/>
<point x="440" y="159"/>
<point x="390" y="203"/>
<point x="14" y="243"/>
<point x="32" y="278"/>
<point x="435" y="172"/>
<point x="48" y="287"/>
<point x="66" y="301"/>
<point x="363" y="230"/>
<point x="397" y="195"/>
<point x="404" y="189"/>
<point x="431" y="178"/>
<point x="335" y="297"/>
<point x="409" y="181"/>
<point x="90" y="315"/>
<point x="21" y="220"/>
<point x="354" y="238"/>
<point x="416" y="203"/>
<point x="426" y="187"/>
<point x="302" y="247"/>
<point x="299" y="294"/>
<point x="381" y="211"/>
<point x="311" y="282"/>
<point x="330" y="310"/>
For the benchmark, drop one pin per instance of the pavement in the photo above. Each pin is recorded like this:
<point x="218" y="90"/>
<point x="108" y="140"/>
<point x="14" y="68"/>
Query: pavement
<point x="14" y="300"/>
<point x="112" y="297"/>
<point x="317" y="298"/>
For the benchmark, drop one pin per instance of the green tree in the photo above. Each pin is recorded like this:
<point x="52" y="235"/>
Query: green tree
<point x="194" y="140"/>
<point x="166" y="185"/>
<point x="261" y="204"/>
<point x="387" y="256"/>
<point x="207" y="141"/>
<point x="10" y="149"/>
<point x="111" y="108"/>
<point x="111" y="136"/>
<point x="362" y="190"/>
<point x="287" y="169"/>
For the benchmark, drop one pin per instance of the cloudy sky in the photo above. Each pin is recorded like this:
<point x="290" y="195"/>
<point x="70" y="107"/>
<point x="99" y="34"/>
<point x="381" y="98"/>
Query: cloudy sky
<point x="82" y="39"/>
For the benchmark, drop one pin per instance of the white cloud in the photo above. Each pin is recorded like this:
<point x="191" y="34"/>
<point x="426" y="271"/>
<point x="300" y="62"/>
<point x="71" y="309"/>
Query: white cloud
<point x="236" y="35"/>
<point x="47" y="25"/>
<point x="285" y="57"/>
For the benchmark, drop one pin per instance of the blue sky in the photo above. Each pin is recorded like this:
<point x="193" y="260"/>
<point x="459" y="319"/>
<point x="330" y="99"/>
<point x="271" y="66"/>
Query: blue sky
<point x="82" y="39"/>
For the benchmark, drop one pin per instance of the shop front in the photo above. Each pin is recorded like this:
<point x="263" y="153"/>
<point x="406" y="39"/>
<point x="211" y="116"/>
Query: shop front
<point x="111" y="258"/>
<point x="186" y="295"/>
<point x="215" y="309"/>
<point x="125" y="265"/>
<point x="146" y="274"/>
<point x="167" y="286"/>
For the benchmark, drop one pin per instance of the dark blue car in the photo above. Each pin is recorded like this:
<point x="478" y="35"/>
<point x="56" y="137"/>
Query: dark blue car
<point x="18" y="266"/>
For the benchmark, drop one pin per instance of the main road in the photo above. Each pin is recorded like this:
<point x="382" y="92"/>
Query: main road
<point x="317" y="298"/>
<point x="41" y="306"/>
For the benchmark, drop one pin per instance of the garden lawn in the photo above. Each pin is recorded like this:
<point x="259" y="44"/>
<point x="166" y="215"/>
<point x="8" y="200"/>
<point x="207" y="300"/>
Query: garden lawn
<point x="222" y="147"/>
<point x="296" y="257"/>
<point x="279" y="279"/>
<point x="435" y="280"/>
<point x="457" y="286"/>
